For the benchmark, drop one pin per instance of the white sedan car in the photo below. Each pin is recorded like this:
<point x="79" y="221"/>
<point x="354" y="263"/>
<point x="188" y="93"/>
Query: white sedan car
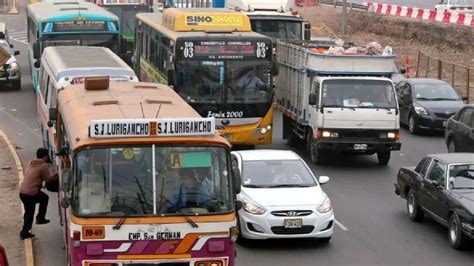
<point x="281" y="197"/>
<point x="464" y="6"/>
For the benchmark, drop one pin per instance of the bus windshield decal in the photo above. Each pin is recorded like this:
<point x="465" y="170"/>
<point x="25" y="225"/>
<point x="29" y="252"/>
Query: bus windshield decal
<point x="190" y="159"/>
<point x="118" y="128"/>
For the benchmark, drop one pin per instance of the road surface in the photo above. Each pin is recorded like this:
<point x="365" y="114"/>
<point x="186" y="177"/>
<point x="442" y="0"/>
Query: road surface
<point x="373" y="227"/>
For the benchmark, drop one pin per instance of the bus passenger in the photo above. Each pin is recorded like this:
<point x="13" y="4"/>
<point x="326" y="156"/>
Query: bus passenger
<point x="36" y="172"/>
<point x="189" y="194"/>
<point x="250" y="82"/>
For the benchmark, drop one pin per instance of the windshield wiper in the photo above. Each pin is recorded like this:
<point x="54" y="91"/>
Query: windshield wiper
<point x="443" y="99"/>
<point x="338" y="106"/>
<point x="121" y="221"/>
<point x="423" y="98"/>
<point x="255" y="186"/>
<point x="189" y="220"/>
<point x="288" y="185"/>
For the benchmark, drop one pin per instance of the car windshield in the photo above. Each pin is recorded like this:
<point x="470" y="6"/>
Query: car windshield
<point x="5" y="46"/>
<point x="224" y="81"/>
<point x="435" y="91"/>
<point x="103" y="40"/>
<point x="276" y="173"/>
<point x="117" y="181"/>
<point x="458" y="2"/>
<point x="278" y="29"/>
<point x="461" y="176"/>
<point x="358" y="93"/>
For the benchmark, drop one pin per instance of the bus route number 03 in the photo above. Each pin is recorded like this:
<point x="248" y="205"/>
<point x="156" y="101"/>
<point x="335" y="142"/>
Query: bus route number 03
<point x="188" y="50"/>
<point x="261" y="50"/>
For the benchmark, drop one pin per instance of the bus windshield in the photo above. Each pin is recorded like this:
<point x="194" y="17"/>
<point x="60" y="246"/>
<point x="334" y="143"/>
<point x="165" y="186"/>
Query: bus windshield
<point x="119" y="181"/>
<point x="224" y="81"/>
<point x="105" y="40"/>
<point x="278" y="29"/>
<point x="358" y="93"/>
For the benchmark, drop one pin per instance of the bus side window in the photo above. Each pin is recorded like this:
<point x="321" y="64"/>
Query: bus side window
<point x="48" y="89"/>
<point x="43" y="84"/>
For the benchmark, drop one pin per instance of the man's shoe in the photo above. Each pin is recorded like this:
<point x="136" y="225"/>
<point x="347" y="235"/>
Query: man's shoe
<point x="42" y="221"/>
<point x="27" y="235"/>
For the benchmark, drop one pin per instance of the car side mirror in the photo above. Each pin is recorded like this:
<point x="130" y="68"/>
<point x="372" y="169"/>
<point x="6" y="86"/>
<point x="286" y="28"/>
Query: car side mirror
<point x="16" y="53"/>
<point x="36" y="50"/>
<point x="464" y="98"/>
<point x="238" y="205"/>
<point x="323" y="179"/>
<point x="313" y="99"/>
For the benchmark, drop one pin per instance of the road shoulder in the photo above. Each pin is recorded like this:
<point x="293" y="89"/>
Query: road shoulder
<point x="11" y="174"/>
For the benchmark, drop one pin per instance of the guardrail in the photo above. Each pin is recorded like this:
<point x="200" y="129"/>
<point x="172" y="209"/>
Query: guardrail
<point x="349" y="4"/>
<point x="9" y="6"/>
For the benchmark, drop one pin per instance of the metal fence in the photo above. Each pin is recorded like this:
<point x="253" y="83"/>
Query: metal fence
<point x="460" y="77"/>
<point x="9" y="6"/>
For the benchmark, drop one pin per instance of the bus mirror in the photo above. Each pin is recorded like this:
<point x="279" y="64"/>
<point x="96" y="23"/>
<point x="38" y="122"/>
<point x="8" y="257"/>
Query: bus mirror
<point x="171" y="81"/>
<point x="307" y="31"/>
<point x="37" y="64"/>
<point x="53" y="113"/>
<point x="313" y="99"/>
<point x="275" y="68"/>
<point x="237" y="179"/>
<point x="65" y="203"/>
<point x="36" y="50"/>
<point x="66" y="177"/>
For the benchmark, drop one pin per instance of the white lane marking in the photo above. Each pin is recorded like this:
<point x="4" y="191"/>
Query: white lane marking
<point x="341" y="225"/>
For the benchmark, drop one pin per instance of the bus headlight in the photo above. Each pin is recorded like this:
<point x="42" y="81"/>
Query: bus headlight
<point x="263" y="130"/>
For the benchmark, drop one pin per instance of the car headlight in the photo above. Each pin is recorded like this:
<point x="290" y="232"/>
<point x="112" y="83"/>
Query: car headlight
<point x="253" y="208"/>
<point x="263" y="130"/>
<point x="420" y="111"/>
<point x="14" y="68"/>
<point x="326" y="206"/>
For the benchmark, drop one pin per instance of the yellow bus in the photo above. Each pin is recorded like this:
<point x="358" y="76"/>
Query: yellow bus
<point x="215" y="62"/>
<point x="146" y="179"/>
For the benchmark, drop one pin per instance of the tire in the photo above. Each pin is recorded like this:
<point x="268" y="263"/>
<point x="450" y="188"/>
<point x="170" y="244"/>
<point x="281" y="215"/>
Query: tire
<point x="451" y="145"/>
<point x="241" y="240"/>
<point x="16" y="84"/>
<point x="383" y="157"/>
<point x="412" y="127"/>
<point x="456" y="237"/>
<point x="291" y="139"/>
<point x="324" y="240"/>
<point x="313" y="152"/>
<point x="415" y="213"/>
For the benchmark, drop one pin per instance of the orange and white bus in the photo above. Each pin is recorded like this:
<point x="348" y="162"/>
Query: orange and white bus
<point x="215" y="62"/>
<point x="149" y="181"/>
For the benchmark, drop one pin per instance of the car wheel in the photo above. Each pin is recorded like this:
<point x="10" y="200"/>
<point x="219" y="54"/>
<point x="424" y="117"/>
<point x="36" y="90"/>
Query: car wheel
<point x="415" y="213"/>
<point x="314" y="153"/>
<point x="451" y="145"/>
<point x="324" y="239"/>
<point x="383" y="157"/>
<point x="457" y="239"/>
<point x="412" y="127"/>
<point x="16" y="84"/>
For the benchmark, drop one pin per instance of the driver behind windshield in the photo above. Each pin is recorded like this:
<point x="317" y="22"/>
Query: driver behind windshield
<point x="189" y="193"/>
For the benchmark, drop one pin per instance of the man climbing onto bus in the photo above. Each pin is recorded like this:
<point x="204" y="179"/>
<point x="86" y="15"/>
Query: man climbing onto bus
<point x="36" y="172"/>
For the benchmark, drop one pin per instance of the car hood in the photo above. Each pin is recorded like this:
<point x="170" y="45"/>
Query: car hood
<point x="271" y="197"/>
<point x="441" y="106"/>
<point x="465" y="197"/>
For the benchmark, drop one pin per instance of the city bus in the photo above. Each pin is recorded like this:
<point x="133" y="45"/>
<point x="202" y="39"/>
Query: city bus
<point x="209" y="57"/>
<point x="134" y="149"/>
<point x="66" y="65"/>
<point x="126" y="11"/>
<point x="73" y="23"/>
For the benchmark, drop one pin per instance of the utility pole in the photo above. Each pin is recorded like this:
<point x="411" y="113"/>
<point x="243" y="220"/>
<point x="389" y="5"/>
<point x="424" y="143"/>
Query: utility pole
<point x="344" y="17"/>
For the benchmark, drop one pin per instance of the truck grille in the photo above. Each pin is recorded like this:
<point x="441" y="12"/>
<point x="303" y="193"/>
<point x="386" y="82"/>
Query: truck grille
<point x="281" y="230"/>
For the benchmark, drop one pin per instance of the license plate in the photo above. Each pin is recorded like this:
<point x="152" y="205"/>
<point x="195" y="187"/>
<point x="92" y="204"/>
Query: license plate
<point x="360" y="147"/>
<point x="293" y="223"/>
<point x="445" y="123"/>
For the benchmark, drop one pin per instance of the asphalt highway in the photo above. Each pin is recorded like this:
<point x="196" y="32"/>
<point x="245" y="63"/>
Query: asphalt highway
<point x="372" y="229"/>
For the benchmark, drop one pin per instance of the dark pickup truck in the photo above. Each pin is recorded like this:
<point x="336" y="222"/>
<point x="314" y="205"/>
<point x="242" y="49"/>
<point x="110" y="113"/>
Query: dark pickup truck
<point x="441" y="185"/>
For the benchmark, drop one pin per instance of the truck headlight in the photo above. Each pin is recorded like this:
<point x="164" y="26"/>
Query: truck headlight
<point x="263" y="130"/>
<point x="420" y="110"/>
<point x="13" y="68"/>
<point x="329" y="134"/>
<point x="326" y="206"/>
<point x="390" y="135"/>
<point x="253" y="208"/>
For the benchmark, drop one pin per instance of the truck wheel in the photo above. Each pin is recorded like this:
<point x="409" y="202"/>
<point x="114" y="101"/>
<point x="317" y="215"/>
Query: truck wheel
<point x="291" y="139"/>
<point x="16" y="84"/>
<point x="415" y="213"/>
<point x="314" y="153"/>
<point x="457" y="239"/>
<point x="451" y="145"/>
<point x="412" y="127"/>
<point x="383" y="157"/>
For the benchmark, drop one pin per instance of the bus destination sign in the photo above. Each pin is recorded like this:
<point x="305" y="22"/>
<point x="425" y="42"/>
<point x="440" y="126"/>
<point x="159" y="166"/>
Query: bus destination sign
<point x="79" y="25"/>
<point x="123" y="128"/>
<point x="224" y="50"/>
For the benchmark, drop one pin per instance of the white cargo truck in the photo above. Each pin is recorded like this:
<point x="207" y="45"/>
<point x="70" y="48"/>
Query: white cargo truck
<point x="337" y="103"/>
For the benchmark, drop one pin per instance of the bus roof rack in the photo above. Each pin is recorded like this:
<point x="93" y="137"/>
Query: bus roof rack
<point x="96" y="83"/>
